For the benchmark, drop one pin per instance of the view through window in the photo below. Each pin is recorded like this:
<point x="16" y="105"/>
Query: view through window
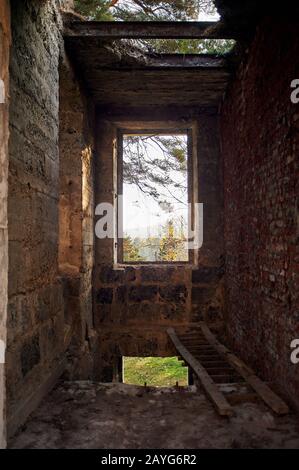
<point x="154" y="371"/>
<point x="155" y="197"/>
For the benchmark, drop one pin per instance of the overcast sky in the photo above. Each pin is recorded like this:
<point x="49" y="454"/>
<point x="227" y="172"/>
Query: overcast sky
<point x="142" y="214"/>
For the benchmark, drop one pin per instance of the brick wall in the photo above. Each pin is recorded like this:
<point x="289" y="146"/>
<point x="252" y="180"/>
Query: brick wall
<point x="260" y="151"/>
<point x="35" y="312"/>
<point x="4" y="120"/>
<point x="133" y="306"/>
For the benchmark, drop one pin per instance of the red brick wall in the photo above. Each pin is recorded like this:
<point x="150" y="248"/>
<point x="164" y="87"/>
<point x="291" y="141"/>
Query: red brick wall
<point x="260" y="143"/>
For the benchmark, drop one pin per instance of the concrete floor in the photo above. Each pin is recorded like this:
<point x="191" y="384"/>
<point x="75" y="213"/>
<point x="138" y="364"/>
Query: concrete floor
<point x="118" y="416"/>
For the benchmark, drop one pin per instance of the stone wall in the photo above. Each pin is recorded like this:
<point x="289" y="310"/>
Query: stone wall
<point x="36" y="308"/>
<point x="76" y="217"/>
<point x="134" y="305"/>
<point x="260" y="144"/>
<point x="4" y="131"/>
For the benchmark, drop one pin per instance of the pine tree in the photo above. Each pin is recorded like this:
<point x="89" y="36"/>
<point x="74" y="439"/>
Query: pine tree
<point x="142" y="10"/>
<point x="171" y="247"/>
<point x="95" y="9"/>
<point x="130" y="250"/>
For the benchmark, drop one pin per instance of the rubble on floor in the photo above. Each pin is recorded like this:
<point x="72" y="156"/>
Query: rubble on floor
<point x="88" y="415"/>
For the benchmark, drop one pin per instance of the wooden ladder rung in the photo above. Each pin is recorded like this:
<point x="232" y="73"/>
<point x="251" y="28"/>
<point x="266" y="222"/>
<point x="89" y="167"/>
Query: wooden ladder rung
<point x="224" y="378"/>
<point x="211" y="389"/>
<point x="202" y="357"/>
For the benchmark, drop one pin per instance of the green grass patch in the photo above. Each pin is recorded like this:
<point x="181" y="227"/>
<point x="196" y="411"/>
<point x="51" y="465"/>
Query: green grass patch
<point x="155" y="371"/>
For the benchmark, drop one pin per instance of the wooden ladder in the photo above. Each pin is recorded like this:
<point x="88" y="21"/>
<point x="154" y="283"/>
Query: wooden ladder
<point x="224" y="377"/>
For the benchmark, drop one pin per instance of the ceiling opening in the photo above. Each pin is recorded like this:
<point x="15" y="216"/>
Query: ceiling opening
<point x="148" y="10"/>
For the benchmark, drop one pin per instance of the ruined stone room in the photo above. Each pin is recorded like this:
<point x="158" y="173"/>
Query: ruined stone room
<point x="149" y="227"/>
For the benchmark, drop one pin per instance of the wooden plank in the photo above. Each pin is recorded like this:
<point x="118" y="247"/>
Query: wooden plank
<point x="220" y="370"/>
<point x="263" y="390"/>
<point x="152" y="30"/>
<point x="211" y="389"/>
<point x="204" y="351"/>
<point x="224" y="378"/>
<point x="159" y="62"/>
<point x="194" y="342"/>
<point x="31" y="402"/>
<point x="211" y="364"/>
<point x="206" y="358"/>
<point x="269" y="397"/>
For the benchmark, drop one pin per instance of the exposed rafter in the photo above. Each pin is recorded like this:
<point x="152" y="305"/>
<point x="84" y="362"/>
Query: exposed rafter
<point x="175" y="61"/>
<point x="152" y="30"/>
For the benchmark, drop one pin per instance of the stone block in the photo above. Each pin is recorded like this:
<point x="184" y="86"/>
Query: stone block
<point x="156" y="273"/>
<point x="142" y="293"/>
<point x="109" y="275"/>
<point x="201" y="295"/>
<point x="130" y="274"/>
<point x="206" y="275"/>
<point x="104" y="295"/>
<point x="121" y="294"/>
<point x="102" y="314"/>
<point x="176" y="293"/>
<point x="30" y="354"/>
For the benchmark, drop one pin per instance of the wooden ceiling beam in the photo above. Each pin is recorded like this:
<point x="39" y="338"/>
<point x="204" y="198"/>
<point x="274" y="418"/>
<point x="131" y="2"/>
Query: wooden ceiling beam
<point x="197" y="62"/>
<point x="113" y="30"/>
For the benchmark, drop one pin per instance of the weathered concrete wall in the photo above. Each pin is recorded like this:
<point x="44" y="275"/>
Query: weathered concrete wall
<point x="35" y="313"/>
<point x="71" y="146"/>
<point x="133" y="306"/>
<point x="76" y="217"/>
<point x="4" y="132"/>
<point x="260" y="143"/>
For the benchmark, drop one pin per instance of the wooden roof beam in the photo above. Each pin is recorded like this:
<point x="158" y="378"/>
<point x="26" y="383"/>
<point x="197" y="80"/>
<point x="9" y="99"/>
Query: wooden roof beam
<point x="113" y="30"/>
<point x="176" y="61"/>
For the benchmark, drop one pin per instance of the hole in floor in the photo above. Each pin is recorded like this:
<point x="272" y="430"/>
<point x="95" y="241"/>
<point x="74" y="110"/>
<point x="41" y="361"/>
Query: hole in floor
<point x="155" y="371"/>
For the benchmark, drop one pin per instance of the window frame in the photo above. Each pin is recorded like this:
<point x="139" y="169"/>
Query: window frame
<point x="121" y="132"/>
